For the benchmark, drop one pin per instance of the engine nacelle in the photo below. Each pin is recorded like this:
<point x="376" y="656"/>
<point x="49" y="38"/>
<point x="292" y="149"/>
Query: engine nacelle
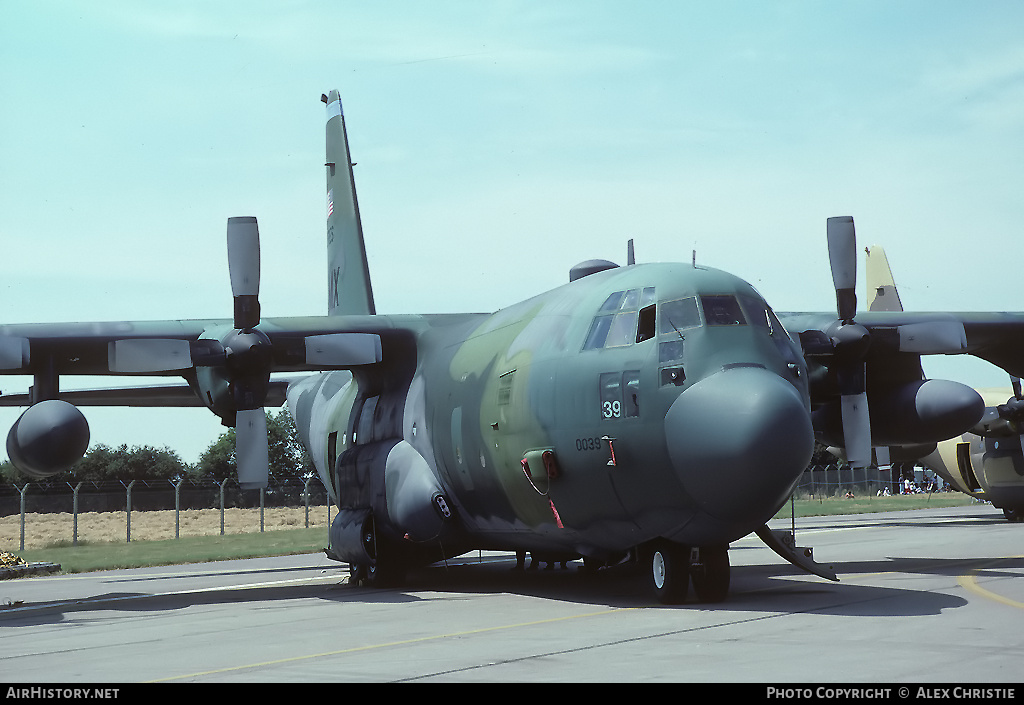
<point x="48" y="438"/>
<point x="925" y="411"/>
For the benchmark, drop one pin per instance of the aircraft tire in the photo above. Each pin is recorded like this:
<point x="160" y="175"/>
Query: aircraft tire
<point x="670" y="574"/>
<point x="386" y="574"/>
<point x="711" y="578"/>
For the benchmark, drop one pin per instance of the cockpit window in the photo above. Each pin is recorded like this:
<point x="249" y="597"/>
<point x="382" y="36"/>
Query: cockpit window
<point x="612" y="302"/>
<point x="678" y="315"/>
<point x="625" y="317"/>
<point x="622" y="330"/>
<point x="722" y="311"/>
<point x="760" y="314"/>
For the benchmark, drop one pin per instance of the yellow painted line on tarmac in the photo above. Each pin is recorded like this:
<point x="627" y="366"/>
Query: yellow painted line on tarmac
<point x="370" y="647"/>
<point x="969" y="581"/>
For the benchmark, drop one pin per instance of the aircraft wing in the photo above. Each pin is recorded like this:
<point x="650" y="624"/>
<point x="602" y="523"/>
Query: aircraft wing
<point x="154" y="395"/>
<point x="225" y="366"/>
<point x="995" y="337"/>
<point x="159" y="348"/>
<point x="854" y="355"/>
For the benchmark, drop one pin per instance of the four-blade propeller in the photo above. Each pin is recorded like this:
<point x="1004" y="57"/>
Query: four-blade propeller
<point x="248" y="354"/>
<point x="850" y="342"/>
<point x="237" y="363"/>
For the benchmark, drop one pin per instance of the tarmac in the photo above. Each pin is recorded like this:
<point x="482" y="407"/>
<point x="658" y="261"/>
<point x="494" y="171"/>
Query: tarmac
<point x="929" y="596"/>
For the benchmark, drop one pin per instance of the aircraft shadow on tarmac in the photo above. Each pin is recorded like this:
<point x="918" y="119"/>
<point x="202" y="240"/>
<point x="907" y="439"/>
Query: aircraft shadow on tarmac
<point x="756" y="588"/>
<point x="778" y="588"/>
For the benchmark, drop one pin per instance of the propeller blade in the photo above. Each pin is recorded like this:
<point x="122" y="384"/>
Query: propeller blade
<point x="842" y="256"/>
<point x="244" y="269"/>
<point x="148" y="355"/>
<point x="856" y="429"/>
<point x="251" y="451"/>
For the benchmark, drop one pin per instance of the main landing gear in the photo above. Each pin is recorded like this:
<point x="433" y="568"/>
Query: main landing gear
<point x="383" y="568"/>
<point x="674" y="566"/>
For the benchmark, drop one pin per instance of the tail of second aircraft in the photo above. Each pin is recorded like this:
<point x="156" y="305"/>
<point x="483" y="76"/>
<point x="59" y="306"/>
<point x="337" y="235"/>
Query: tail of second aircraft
<point x="882" y="292"/>
<point x="348" y="286"/>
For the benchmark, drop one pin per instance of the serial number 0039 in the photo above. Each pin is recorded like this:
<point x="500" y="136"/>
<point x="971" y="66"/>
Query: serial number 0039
<point x="592" y="443"/>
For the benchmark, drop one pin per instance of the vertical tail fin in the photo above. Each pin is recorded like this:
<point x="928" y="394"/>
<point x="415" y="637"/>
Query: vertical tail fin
<point x="348" y="286"/>
<point x="882" y="293"/>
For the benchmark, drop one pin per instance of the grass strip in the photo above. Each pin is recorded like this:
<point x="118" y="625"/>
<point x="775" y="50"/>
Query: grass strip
<point x="829" y="506"/>
<point x="88" y="556"/>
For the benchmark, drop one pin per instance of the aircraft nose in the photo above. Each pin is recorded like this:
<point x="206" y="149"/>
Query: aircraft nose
<point x="738" y="441"/>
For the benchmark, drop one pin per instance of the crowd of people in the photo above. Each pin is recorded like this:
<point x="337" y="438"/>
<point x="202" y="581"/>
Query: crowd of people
<point x="909" y="485"/>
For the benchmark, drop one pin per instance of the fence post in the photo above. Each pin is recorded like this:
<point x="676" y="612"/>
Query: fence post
<point x="128" y="502"/>
<point x="177" y="505"/>
<point x="74" y="513"/>
<point x="305" y="490"/>
<point x="221" y="485"/>
<point x="261" y="510"/>
<point x="22" y="491"/>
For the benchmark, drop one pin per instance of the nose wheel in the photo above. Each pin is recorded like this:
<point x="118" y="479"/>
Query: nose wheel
<point x="670" y="572"/>
<point x="673" y="566"/>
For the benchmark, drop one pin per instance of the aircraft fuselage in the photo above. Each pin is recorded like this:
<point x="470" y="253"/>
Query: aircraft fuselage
<point x="647" y="401"/>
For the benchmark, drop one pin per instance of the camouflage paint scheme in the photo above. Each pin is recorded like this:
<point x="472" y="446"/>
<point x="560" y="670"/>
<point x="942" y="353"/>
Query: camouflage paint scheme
<point x="491" y="390"/>
<point x="649" y="411"/>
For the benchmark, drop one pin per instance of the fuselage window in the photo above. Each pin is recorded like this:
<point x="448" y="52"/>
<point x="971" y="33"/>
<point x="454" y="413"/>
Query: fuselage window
<point x="722" y="311"/>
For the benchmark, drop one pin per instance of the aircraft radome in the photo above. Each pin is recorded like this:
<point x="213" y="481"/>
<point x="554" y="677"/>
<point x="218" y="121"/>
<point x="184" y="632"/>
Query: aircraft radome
<point x="648" y="413"/>
<point x="986" y="461"/>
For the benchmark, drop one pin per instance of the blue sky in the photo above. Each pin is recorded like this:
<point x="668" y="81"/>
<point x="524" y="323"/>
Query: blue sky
<point x="499" y="143"/>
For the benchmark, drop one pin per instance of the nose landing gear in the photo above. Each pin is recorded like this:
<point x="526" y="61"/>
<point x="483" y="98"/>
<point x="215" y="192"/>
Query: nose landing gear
<point x="673" y="566"/>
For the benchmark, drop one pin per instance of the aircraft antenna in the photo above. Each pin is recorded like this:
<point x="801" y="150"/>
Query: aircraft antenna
<point x="695" y="259"/>
<point x="630" y="255"/>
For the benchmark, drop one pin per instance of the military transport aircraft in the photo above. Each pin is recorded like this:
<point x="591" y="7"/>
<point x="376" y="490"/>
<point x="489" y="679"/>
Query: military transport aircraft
<point x="647" y="412"/>
<point x="986" y="461"/>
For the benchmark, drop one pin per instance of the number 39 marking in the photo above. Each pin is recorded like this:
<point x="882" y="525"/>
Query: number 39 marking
<point x="611" y="409"/>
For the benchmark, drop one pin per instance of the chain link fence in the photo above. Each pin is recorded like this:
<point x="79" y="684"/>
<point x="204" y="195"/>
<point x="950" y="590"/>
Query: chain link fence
<point x="172" y="501"/>
<point x="836" y="481"/>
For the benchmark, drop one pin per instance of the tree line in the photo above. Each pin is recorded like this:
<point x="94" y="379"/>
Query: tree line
<point x="102" y="463"/>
